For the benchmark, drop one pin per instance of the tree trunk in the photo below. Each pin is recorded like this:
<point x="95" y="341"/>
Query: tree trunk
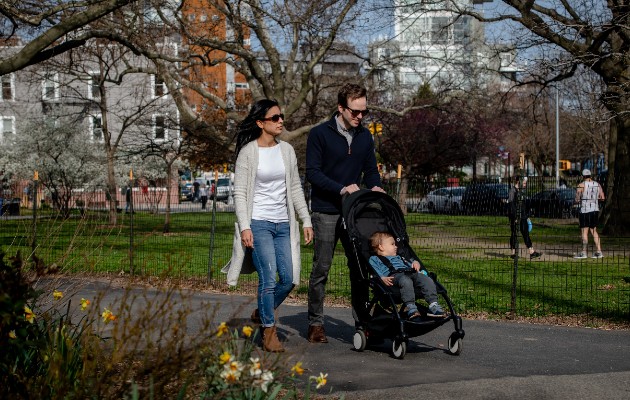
<point x="111" y="188"/>
<point x="167" y="216"/>
<point x="617" y="188"/>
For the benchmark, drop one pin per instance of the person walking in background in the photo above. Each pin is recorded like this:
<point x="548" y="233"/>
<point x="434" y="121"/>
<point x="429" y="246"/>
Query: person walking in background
<point x="195" y="196"/>
<point x="518" y="221"/>
<point x="127" y="199"/>
<point x="267" y="195"/>
<point x="339" y="156"/>
<point x="589" y="194"/>
<point x="203" y="194"/>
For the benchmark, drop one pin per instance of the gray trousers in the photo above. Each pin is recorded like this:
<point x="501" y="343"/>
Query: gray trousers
<point x="328" y="230"/>
<point x="415" y="285"/>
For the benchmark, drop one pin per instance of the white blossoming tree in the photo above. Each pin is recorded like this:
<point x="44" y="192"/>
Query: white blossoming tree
<point x="66" y="163"/>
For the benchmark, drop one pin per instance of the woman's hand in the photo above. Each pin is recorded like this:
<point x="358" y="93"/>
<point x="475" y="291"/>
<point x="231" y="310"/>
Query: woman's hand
<point x="308" y="235"/>
<point x="247" y="238"/>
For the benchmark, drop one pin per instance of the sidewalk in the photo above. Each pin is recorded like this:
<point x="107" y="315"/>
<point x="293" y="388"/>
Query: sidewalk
<point x="499" y="359"/>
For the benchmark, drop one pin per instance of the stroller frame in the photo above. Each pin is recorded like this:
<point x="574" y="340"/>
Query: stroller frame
<point x="365" y="212"/>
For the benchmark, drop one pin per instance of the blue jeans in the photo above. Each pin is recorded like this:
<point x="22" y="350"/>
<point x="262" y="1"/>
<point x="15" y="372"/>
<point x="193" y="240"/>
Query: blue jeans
<point x="272" y="255"/>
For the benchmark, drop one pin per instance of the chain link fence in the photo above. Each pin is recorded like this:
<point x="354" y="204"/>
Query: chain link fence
<point x="460" y="234"/>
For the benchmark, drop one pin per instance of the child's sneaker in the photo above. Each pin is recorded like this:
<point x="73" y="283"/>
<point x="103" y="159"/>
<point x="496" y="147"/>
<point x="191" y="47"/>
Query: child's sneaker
<point x="598" y="254"/>
<point x="580" y="255"/>
<point x="535" y="255"/>
<point x="435" y="310"/>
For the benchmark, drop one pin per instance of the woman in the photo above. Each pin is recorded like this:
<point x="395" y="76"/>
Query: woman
<point x="523" y="225"/>
<point x="267" y="195"/>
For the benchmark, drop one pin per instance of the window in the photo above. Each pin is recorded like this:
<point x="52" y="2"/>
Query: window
<point x="239" y="85"/>
<point x="440" y="30"/>
<point x="7" y="87"/>
<point x="50" y="87"/>
<point x="93" y="89"/>
<point x="461" y="30"/>
<point x="96" y="128"/>
<point x="160" y="131"/>
<point x="159" y="87"/>
<point x="7" y="126"/>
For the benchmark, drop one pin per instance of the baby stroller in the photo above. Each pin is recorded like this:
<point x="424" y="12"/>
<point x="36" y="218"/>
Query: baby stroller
<point x="365" y="212"/>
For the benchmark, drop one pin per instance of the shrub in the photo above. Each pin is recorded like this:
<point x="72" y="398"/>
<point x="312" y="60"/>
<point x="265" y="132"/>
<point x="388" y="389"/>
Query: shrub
<point x="140" y="347"/>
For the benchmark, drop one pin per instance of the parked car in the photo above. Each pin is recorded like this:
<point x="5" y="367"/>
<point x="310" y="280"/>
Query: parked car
<point x="446" y="199"/>
<point x="222" y="189"/>
<point x="553" y="203"/>
<point x="186" y="192"/>
<point x="485" y="198"/>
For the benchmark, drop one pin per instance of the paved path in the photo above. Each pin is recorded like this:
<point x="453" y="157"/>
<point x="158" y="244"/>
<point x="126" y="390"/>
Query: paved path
<point x="500" y="360"/>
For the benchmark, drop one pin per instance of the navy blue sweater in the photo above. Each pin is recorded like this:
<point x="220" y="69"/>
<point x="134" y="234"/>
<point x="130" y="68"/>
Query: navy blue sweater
<point x="331" y="164"/>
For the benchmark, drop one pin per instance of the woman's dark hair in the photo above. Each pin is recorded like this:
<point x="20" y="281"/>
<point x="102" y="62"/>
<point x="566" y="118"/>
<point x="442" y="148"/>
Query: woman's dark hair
<point x="248" y="130"/>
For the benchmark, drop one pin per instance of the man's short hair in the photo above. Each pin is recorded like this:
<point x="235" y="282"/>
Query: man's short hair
<point x="377" y="238"/>
<point x="349" y="92"/>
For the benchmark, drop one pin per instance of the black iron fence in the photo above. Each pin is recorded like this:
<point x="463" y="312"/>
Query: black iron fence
<point x="462" y="239"/>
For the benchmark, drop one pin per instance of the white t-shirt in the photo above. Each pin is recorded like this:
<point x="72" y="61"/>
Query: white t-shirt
<point x="590" y="194"/>
<point x="270" y="191"/>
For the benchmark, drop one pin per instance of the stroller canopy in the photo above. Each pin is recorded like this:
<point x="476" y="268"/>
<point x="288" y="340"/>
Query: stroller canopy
<point x="365" y="212"/>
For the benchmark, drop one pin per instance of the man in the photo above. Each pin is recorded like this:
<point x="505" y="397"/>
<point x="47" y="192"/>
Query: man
<point x="339" y="154"/>
<point x="589" y="194"/>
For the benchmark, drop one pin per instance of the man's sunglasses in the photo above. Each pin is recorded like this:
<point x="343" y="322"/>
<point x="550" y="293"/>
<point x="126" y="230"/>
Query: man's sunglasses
<point x="274" y="118"/>
<point x="355" y="113"/>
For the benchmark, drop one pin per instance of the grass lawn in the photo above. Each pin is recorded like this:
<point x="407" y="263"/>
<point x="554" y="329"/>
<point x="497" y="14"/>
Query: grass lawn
<point x="468" y="253"/>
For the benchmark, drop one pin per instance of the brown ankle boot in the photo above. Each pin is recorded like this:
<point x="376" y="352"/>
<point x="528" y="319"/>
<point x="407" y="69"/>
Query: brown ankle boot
<point x="270" y="340"/>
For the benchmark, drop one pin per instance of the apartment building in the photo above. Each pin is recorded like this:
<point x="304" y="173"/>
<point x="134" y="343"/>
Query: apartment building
<point x="433" y="44"/>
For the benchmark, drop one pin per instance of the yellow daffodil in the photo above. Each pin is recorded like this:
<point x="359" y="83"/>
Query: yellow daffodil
<point x="57" y="295"/>
<point x="248" y="330"/>
<point x="297" y="368"/>
<point x="223" y="328"/>
<point x="108" y="315"/>
<point x="28" y="314"/>
<point x="84" y="304"/>
<point x="12" y="334"/>
<point x="320" y="380"/>
<point x="225" y="358"/>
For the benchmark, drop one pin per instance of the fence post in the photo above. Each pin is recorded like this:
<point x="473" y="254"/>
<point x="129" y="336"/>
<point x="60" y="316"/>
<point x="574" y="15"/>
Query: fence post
<point x="34" y="233"/>
<point x="519" y="198"/>
<point x="131" y="214"/>
<point x="214" y="213"/>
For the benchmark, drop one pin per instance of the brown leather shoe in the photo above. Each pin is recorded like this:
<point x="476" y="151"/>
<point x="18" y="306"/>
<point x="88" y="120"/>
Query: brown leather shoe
<point x="256" y="317"/>
<point x="270" y="340"/>
<point x="316" y="334"/>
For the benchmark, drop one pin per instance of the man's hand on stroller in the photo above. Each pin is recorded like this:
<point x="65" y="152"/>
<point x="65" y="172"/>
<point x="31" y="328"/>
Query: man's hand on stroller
<point x="378" y="189"/>
<point x="388" y="280"/>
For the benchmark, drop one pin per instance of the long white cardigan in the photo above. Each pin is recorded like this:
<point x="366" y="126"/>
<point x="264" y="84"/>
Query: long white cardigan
<point x="244" y="183"/>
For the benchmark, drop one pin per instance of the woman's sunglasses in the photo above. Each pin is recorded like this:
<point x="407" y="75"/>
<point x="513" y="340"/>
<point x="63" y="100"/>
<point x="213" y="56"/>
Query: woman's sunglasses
<point x="274" y="118"/>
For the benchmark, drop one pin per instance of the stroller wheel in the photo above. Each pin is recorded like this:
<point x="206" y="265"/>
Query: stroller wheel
<point x="399" y="349"/>
<point x="359" y="340"/>
<point x="455" y="344"/>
